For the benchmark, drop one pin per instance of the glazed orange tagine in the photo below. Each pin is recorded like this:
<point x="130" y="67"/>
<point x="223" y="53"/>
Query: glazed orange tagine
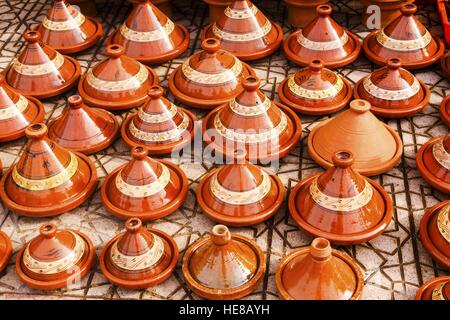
<point x="5" y="250"/>
<point x="435" y="289"/>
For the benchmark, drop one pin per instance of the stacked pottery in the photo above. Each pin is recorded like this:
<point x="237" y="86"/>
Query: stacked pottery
<point x="5" y="250"/>
<point x="302" y="12"/>
<point x="216" y="8"/>
<point x="437" y="289"/>
<point x="378" y="13"/>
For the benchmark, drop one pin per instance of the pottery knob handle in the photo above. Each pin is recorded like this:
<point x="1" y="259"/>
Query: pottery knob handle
<point x="32" y="36"/>
<point x="220" y="235"/>
<point x="114" y="50"/>
<point x="343" y="159"/>
<point x="211" y="45"/>
<point x="36" y="131"/>
<point x="320" y="249"/>
<point x="360" y="105"/>
<point x="48" y="230"/>
<point x="408" y="9"/>
<point x="139" y="153"/>
<point x="394" y="63"/>
<point x="324" y="10"/>
<point x="316" y="65"/>
<point x="133" y="224"/>
<point x="155" y="92"/>
<point x="75" y="101"/>
<point x="251" y="83"/>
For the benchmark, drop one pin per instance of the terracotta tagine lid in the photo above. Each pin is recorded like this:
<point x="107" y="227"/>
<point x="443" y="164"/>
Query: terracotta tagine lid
<point x="67" y="30"/>
<point x="393" y="91"/>
<point x="245" y="31"/>
<point x="444" y="111"/>
<point x="240" y="193"/>
<point x="5" y="250"/>
<point x="118" y="82"/>
<point x="17" y="112"/>
<point x="435" y="289"/>
<point x="209" y="78"/>
<point x="360" y="132"/>
<point x="404" y="38"/>
<point x="159" y="125"/>
<point x="47" y="179"/>
<point x="319" y="272"/>
<point x="139" y="257"/>
<point x="144" y="187"/>
<point x="315" y="90"/>
<point x="223" y="266"/>
<point x="54" y="259"/>
<point x="322" y="39"/>
<point x="149" y="36"/>
<point x="41" y="71"/>
<point x="266" y="129"/>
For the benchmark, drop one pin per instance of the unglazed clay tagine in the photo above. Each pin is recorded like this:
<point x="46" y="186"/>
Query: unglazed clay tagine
<point x="159" y="125"/>
<point x="118" y="82"/>
<point x="223" y="266"/>
<point x="41" y="71"/>
<point x="209" y="78"/>
<point x="404" y="38"/>
<point x="319" y="273"/>
<point x="435" y="289"/>
<point x="245" y="31"/>
<point x="55" y="259"/>
<point x="360" y="132"/>
<point x="139" y="257"/>
<point x="5" y="250"/>
<point x="145" y="188"/>
<point x="149" y="36"/>
<point x="315" y="90"/>
<point x="302" y="12"/>
<point x="444" y="111"/>
<point x="393" y="91"/>
<point x="322" y="39"/>
<point x="47" y="179"/>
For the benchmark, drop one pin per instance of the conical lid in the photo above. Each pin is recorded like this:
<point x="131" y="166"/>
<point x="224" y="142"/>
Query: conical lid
<point x="47" y="179"/>
<point x="139" y="257"/>
<point x="245" y="31"/>
<point x="83" y="129"/>
<point x="209" y="78"/>
<point x="322" y="39"/>
<point x="5" y="249"/>
<point x="223" y="265"/>
<point x="144" y="187"/>
<point x="41" y="71"/>
<point x="315" y="90"/>
<point x="67" y="30"/>
<point x="149" y="36"/>
<point x="360" y="132"/>
<point x="159" y="125"/>
<point x="319" y="273"/>
<point x="118" y="82"/>
<point x="404" y="38"/>
<point x="340" y="204"/>
<point x="435" y="289"/>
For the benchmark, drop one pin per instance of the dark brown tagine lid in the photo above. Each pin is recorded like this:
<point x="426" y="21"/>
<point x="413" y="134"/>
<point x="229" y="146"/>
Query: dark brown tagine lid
<point x="444" y="111"/>
<point x="159" y="125"/>
<point x="266" y="129"/>
<point x="47" y="179"/>
<point x="240" y="193"/>
<point x="323" y="39"/>
<point x="118" y="82"/>
<point x="149" y="36"/>
<point x="41" y="71"/>
<point x="209" y="78"/>
<point x="360" y="132"/>
<point x="5" y="248"/>
<point x="340" y="204"/>
<point x="223" y="266"/>
<point x="144" y="187"/>
<point x="139" y="257"/>
<point x="435" y="289"/>
<point x="315" y="90"/>
<point x="245" y="31"/>
<point x="67" y="30"/>
<point x="83" y="129"/>
<point x="17" y="112"/>
<point x="404" y="38"/>
<point x="319" y="272"/>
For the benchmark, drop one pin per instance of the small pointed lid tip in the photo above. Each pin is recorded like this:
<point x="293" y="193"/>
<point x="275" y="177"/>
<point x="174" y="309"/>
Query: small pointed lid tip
<point x="394" y="63"/>
<point x="48" y="230"/>
<point x="155" y="92"/>
<point x="211" y="45"/>
<point x="114" y="51"/>
<point x="360" y="105"/>
<point x="221" y="235"/>
<point x="408" y="9"/>
<point x="36" y="131"/>
<point x="75" y="101"/>
<point x="32" y="36"/>
<point x="316" y="65"/>
<point x="251" y="83"/>
<point x="320" y="249"/>
<point x="133" y="225"/>
<point x="343" y="159"/>
<point x="139" y="153"/>
<point x="324" y="10"/>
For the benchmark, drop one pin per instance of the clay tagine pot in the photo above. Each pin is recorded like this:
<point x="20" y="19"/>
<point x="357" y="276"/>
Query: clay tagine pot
<point x="388" y="11"/>
<point x="209" y="78"/>
<point x="67" y="30"/>
<point x="5" y="250"/>
<point x="149" y="36"/>
<point x="444" y="111"/>
<point x="319" y="272"/>
<point x="223" y="266"/>
<point x="17" y="112"/>
<point x="216" y="8"/>
<point x="340" y="204"/>
<point x="139" y="257"/>
<point x="322" y="39"/>
<point x="54" y="259"/>
<point x="83" y="129"/>
<point x="404" y="38"/>
<point x="445" y="64"/>
<point x="47" y="179"/>
<point x="245" y="31"/>
<point x="302" y="12"/>
<point x="145" y="188"/>
<point x="266" y="129"/>
<point x="360" y="132"/>
<point x="41" y="71"/>
<point x="118" y="82"/>
<point x="392" y="91"/>
<point x="435" y="289"/>
<point x="315" y="90"/>
<point x="159" y="125"/>
<point x="240" y="193"/>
